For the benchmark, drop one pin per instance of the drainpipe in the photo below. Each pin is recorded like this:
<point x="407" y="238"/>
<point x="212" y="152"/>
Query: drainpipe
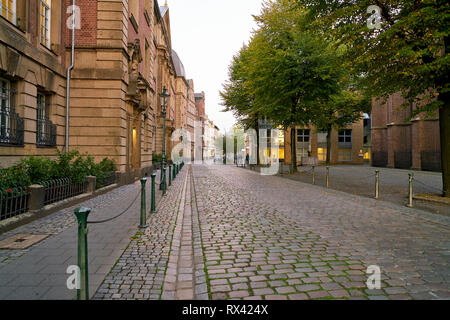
<point x="69" y="71"/>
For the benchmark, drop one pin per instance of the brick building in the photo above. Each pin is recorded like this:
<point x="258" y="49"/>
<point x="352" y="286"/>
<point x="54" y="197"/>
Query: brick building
<point x="346" y="145"/>
<point x="401" y="143"/>
<point x="123" y="59"/>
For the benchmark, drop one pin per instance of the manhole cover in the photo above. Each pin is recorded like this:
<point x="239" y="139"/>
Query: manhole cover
<point x="21" y="241"/>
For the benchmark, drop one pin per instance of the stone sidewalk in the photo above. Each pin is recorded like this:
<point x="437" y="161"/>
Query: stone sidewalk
<point x="39" y="272"/>
<point x="360" y="180"/>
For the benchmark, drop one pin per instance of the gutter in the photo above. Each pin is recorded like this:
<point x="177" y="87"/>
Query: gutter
<point x="69" y="72"/>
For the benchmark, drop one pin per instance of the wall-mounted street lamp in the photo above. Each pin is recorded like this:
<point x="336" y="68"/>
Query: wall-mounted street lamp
<point x="164" y="101"/>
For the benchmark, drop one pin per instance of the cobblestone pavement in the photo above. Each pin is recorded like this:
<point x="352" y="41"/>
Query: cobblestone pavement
<point x="222" y="232"/>
<point x="151" y="256"/>
<point x="360" y="180"/>
<point x="264" y="237"/>
<point x="39" y="272"/>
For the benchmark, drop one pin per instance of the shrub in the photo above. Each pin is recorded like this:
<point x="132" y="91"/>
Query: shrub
<point x="157" y="158"/>
<point x="73" y="165"/>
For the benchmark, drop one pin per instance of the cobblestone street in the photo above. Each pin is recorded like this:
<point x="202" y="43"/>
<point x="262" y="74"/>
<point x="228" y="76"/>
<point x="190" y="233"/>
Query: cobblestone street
<point x="240" y="235"/>
<point x="227" y="233"/>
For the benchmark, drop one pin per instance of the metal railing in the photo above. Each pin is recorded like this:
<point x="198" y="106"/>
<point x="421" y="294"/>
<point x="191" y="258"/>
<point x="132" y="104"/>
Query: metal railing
<point x="46" y="133"/>
<point x="11" y="128"/>
<point x="108" y="179"/>
<point x="13" y="202"/>
<point x="60" y="189"/>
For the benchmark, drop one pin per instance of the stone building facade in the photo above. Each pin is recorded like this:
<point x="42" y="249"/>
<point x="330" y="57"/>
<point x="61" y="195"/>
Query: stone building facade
<point x="32" y="79"/>
<point x="123" y="60"/>
<point x="401" y="143"/>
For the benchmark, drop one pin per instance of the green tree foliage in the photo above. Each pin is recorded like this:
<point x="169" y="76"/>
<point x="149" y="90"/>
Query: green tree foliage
<point x="290" y="75"/>
<point x="408" y="54"/>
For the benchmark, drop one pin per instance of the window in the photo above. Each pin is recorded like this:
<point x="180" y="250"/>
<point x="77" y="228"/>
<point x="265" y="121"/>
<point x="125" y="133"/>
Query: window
<point x="5" y="104"/>
<point x="322" y="146"/>
<point x="303" y="135"/>
<point x="345" y="145"/>
<point x="46" y="130"/>
<point x="45" y="22"/>
<point x="43" y="111"/>
<point x="11" y="124"/>
<point x="322" y="154"/>
<point x="303" y="138"/>
<point x="345" y="136"/>
<point x="344" y="154"/>
<point x="8" y="10"/>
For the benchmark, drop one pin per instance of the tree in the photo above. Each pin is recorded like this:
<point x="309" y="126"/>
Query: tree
<point x="288" y="74"/>
<point x="407" y="54"/>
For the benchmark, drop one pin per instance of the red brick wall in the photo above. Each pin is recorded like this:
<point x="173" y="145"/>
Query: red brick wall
<point x="399" y="136"/>
<point x="87" y="35"/>
<point x="144" y="32"/>
<point x="201" y="107"/>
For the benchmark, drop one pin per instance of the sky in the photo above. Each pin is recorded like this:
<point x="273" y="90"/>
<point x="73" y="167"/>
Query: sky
<point x="206" y="34"/>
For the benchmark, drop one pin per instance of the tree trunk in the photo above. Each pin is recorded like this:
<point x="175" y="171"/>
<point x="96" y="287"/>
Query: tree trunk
<point x="293" y="150"/>
<point x="328" y="145"/>
<point x="258" y="161"/>
<point x="444" y="124"/>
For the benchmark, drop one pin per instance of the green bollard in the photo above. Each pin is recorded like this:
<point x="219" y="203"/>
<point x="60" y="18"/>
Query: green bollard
<point x="161" y="178"/>
<point x="82" y="215"/>
<point x="153" y="205"/>
<point x="143" y="223"/>
<point x="174" y="172"/>
<point x="164" y="184"/>
<point x="170" y="175"/>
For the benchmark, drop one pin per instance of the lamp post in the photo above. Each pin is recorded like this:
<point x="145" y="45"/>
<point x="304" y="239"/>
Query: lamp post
<point x="164" y="100"/>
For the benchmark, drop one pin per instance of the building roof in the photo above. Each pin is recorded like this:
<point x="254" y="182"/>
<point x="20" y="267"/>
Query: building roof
<point x="179" y="67"/>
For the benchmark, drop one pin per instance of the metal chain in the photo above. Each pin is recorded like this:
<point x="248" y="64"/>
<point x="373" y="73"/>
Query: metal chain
<point x="426" y="185"/>
<point x="123" y="212"/>
<point x="306" y="171"/>
<point x="364" y="178"/>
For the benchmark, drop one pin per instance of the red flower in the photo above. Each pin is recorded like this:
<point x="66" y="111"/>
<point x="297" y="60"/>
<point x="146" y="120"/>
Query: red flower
<point x="9" y="190"/>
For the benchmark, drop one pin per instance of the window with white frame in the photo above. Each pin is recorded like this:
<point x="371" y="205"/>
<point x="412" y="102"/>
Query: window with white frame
<point x="45" y="9"/>
<point x="303" y="143"/>
<point x="8" y="10"/>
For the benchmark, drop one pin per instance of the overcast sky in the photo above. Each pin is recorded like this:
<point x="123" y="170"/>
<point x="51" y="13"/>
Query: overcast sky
<point x="206" y="34"/>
